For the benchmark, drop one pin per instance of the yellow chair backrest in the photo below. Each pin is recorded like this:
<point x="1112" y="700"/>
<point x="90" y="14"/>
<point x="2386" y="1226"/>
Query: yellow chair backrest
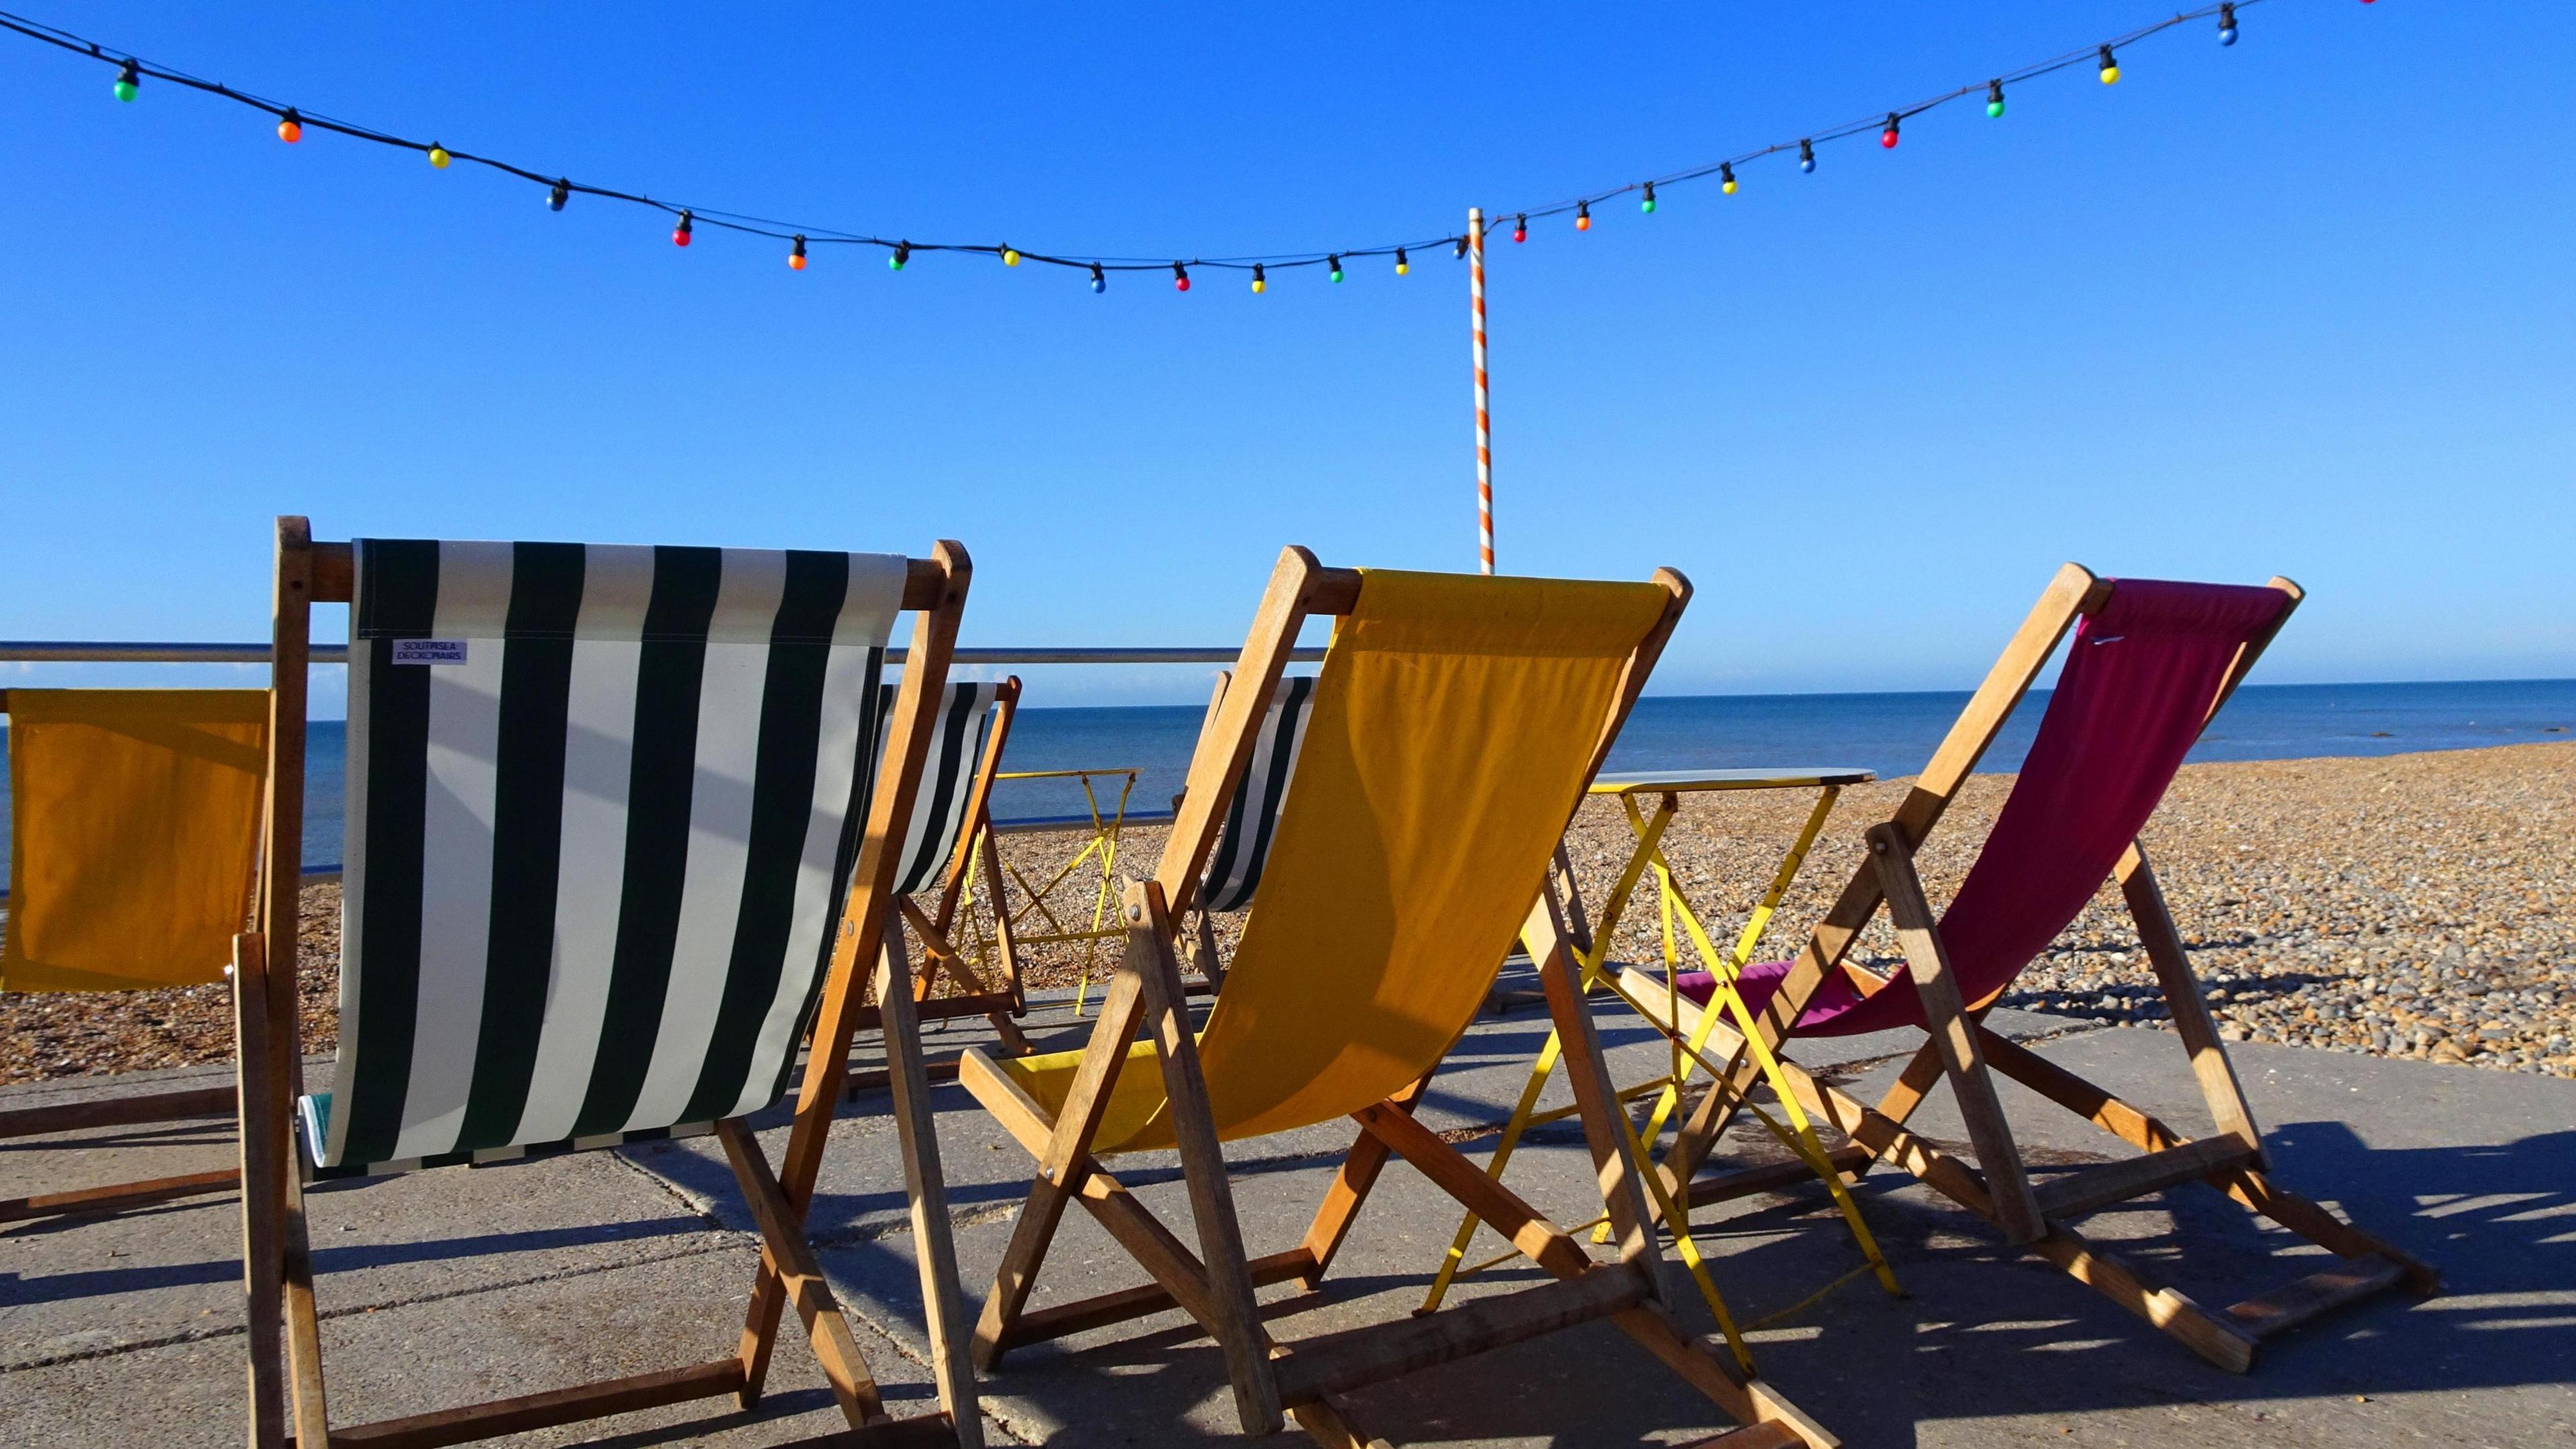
<point x="1454" y="723"/>
<point x="134" y="827"/>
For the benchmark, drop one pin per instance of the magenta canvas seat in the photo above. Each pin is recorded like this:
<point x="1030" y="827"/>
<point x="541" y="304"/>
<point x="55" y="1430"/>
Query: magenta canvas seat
<point x="2139" y="684"/>
<point x="2150" y="664"/>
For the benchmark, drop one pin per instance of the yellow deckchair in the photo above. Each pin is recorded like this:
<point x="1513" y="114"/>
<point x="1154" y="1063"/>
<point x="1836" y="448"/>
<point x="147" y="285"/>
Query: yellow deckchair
<point x="1454" y="725"/>
<point x="134" y="828"/>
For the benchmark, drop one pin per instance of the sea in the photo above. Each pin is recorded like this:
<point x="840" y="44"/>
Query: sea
<point x="1892" y="734"/>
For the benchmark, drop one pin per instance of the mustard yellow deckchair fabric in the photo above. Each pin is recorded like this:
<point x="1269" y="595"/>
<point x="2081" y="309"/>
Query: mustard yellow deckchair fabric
<point x="134" y="824"/>
<point x="1452" y="725"/>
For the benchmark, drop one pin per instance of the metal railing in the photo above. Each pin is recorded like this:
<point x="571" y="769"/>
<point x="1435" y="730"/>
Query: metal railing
<point x="85" y="651"/>
<point x="58" y="651"/>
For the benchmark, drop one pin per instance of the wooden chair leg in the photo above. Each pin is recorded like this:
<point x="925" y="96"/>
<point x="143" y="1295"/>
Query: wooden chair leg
<point x="787" y="1257"/>
<point x="2192" y="1023"/>
<point x="1596" y="1097"/>
<point x="940" y="957"/>
<point x="1005" y="945"/>
<point x="1351" y="1186"/>
<point x="305" y="1394"/>
<point x="1998" y="1157"/>
<point x="1229" y="1276"/>
<point x="1063" y="1161"/>
<point x="925" y="1184"/>
<point x="263" y="1173"/>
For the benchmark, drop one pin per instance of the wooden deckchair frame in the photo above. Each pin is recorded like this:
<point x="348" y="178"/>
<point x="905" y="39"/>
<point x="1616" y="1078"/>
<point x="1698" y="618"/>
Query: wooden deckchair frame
<point x="1961" y="1050"/>
<point x="286" y="1384"/>
<point x="147" y="1109"/>
<point x="1216" y="1284"/>
<point x="972" y="856"/>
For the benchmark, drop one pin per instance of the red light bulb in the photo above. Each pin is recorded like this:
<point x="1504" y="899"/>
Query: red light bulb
<point x="1180" y="278"/>
<point x="680" y="233"/>
<point x="1887" y="138"/>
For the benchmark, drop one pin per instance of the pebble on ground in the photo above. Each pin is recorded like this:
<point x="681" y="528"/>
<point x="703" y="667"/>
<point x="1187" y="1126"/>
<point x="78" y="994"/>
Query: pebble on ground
<point x="2410" y="906"/>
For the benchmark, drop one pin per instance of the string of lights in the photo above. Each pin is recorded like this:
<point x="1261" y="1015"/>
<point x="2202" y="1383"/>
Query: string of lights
<point x="294" y="122"/>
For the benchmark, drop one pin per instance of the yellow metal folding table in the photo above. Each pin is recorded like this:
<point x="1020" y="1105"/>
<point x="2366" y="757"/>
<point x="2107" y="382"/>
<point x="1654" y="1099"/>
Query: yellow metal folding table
<point x="1666" y="789"/>
<point x="1101" y="848"/>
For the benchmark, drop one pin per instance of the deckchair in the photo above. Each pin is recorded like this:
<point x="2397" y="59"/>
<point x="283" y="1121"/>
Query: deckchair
<point x="1252" y="816"/>
<point x="1453" y="727"/>
<point x="2150" y="665"/>
<point x="604" y="861"/>
<point x="134" y="827"/>
<point x="949" y="844"/>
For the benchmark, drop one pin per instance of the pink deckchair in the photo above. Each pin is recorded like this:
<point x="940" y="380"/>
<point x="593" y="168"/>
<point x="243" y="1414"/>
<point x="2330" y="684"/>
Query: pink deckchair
<point x="2150" y="664"/>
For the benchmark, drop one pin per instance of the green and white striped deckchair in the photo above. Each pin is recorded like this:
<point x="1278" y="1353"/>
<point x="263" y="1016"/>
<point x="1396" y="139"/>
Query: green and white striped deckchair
<point x="951" y="778"/>
<point x="1252" y="817"/>
<point x="1234" y="871"/>
<point x="618" y="835"/>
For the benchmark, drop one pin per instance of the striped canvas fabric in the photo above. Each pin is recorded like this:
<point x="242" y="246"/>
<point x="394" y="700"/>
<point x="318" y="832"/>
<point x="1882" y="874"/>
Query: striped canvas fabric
<point x="947" y="779"/>
<point x="1235" y="870"/>
<point x="603" y="804"/>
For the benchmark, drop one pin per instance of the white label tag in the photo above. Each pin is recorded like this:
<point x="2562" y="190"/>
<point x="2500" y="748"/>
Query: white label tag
<point x="429" y="651"/>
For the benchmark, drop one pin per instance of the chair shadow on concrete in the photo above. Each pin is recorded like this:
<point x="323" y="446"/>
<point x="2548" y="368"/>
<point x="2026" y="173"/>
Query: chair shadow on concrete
<point x="1989" y="1332"/>
<point x="63" y="1287"/>
<point x="1985" y="1332"/>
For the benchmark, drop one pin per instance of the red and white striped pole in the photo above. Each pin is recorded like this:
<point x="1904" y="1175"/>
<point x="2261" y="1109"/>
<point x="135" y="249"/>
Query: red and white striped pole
<point x="1484" y="419"/>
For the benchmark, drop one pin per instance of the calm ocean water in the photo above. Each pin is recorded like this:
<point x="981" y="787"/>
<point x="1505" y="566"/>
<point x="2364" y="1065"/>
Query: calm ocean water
<point x="1890" y="733"/>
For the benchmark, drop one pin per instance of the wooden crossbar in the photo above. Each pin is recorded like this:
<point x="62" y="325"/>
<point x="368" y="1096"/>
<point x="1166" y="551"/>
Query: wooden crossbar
<point x="119" y="1197"/>
<point x="941" y="1008"/>
<point x="1772" y="1176"/>
<point x="1040" y="1324"/>
<point x="154" y="1107"/>
<point x="149" y="1109"/>
<point x="1331" y="1363"/>
<point x="2095" y="1188"/>
<point x="542" y="1411"/>
<point x="2292" y="1304"/>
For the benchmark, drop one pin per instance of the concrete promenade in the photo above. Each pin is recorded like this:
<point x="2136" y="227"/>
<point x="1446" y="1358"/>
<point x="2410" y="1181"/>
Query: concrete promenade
<point x="453" y="1286"/>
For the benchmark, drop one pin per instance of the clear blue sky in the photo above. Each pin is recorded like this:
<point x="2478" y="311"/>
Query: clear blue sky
<point x="2303" y="305"/>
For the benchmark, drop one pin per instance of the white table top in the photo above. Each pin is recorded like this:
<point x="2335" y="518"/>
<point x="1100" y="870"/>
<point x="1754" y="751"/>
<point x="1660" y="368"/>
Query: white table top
<point x="1659" y="782"/>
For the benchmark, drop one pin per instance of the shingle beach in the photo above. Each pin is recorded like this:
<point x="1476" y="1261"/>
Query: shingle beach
<point x="2417" y="906"/>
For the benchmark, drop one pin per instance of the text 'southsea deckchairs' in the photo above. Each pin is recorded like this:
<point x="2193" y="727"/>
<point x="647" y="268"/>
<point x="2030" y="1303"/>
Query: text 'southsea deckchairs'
<point x="2150" y="664"/>
<point x="134" y="830"/>
<point x="605" y="860"/>
<point x="1252" y="816"/>
<point x="1452" y="730"/>
<point x="947" y="846"/>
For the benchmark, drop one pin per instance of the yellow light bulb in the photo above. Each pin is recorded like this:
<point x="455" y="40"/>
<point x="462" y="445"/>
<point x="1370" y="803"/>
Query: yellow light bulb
<point x="438" y="157"/>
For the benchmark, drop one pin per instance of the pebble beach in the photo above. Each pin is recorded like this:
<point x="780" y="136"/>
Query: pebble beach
<point x="2419" y="906"/>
